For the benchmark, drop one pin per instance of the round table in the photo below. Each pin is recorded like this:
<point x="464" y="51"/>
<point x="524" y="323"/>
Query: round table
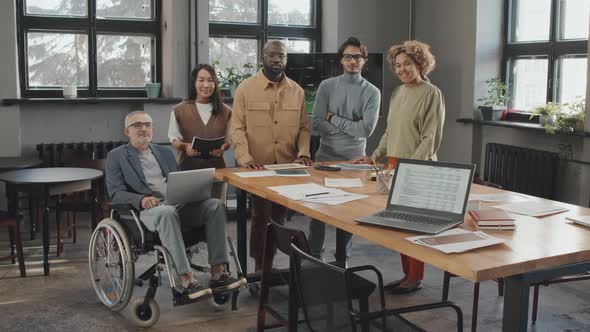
<point x="40" y="181"/>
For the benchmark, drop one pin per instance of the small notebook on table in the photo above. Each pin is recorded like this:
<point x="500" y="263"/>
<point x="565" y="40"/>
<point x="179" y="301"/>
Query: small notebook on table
<point x="206" y="145"/>
<point x="493" y="219"/>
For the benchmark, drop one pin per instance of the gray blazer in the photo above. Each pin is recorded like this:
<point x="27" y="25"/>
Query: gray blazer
<point x="125" y="180"/>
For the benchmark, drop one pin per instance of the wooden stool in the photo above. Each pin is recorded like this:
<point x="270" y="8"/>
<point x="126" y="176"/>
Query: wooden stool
<point x="12" y="223"/>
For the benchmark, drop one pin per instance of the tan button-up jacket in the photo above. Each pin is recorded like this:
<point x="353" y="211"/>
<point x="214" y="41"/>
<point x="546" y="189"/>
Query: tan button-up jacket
<point x="269" y="122"/>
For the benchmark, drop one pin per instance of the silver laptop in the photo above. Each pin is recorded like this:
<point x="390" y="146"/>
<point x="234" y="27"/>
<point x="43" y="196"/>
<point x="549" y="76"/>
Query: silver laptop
<point x="425" y="196"/>
<point x="189" y="186"/>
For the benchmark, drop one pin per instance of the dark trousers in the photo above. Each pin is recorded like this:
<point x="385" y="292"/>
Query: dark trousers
<point x="264" y="211"/>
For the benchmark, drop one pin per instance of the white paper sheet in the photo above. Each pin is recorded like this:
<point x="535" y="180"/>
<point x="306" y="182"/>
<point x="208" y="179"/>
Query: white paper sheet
<point x="503" y="197"/>
<point x="532" y="209"/>
<point x="482" y="240"/>
<point x="314" y="193"/>
<point x="343" y="182"/>
<point x="255" y="174"/>
<point x="335" y="200"/>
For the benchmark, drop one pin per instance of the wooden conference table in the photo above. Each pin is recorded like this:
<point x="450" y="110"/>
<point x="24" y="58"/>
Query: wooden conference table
<point x="539" y="249"/>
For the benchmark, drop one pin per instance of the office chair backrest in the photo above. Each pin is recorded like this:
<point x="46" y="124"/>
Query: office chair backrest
<point x="322" y="293"/>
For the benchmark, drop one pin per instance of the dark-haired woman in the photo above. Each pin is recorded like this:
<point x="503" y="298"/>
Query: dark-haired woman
<point x="203" y="115"/>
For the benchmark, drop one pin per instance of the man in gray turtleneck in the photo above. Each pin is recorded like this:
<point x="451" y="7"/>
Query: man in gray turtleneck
<point x="345" y="113"/>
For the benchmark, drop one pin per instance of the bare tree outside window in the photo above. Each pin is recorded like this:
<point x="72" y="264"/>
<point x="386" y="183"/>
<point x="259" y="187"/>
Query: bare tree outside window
<point x="239" y="11"/>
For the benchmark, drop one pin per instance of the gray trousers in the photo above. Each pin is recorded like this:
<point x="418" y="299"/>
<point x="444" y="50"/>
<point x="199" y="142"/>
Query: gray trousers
<point x="317" y="235"/>
<point x="170" y="221"/>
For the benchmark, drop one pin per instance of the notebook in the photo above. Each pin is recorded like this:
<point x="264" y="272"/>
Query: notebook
<point x="493" y="219"/>
<point x="425" y="196"/>
<point x="206" y="145"/>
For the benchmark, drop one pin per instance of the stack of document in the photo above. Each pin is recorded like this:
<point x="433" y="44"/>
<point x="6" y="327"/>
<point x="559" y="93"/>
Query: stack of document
<point x="532" y="209"/>
<point x="456" y="240"/>
<point x="314" y="193"/>
<point x="343" y="183"/>
<point x="503" y="197"/>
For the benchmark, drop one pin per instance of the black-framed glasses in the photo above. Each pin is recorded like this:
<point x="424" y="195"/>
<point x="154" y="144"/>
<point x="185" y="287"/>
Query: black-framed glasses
<point x="356" y="57"/>
<point x="276" y="56"/>
<point x="139" y="125"/>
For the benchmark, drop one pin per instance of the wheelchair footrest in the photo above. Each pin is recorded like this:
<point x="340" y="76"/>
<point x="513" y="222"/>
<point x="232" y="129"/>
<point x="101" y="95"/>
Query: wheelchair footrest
<point x="203" y="269"/>
<point x="179" y="298"/>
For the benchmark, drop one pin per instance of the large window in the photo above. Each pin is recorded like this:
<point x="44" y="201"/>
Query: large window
<point x="239" y="28"/>
<point x="105" y="47"/>
<point x="546" y="51"/>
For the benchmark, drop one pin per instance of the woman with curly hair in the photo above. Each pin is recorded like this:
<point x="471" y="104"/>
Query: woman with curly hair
<point x="414" y="129"/>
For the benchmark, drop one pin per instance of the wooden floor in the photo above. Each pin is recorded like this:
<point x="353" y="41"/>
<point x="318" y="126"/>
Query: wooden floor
<point x="66" y="301"/>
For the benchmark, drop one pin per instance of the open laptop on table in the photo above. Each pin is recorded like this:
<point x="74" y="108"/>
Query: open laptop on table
<point x="425" y="196"/>
<point x="189" y="186"/>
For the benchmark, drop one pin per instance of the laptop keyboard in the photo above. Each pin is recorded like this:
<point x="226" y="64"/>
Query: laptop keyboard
<point x="420" y="219"/>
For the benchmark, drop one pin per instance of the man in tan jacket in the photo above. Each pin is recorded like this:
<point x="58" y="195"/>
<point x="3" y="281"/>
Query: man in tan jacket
<point x="269" y="126"/>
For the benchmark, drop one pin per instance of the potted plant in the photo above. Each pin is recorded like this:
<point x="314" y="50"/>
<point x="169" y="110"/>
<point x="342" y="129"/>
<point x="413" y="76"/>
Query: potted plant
<point x="547" y="115"/>
<point x="309" y="99"/>
<point x="571" y="118"/>
<point x="495" y="101"/>
<point x="231" y="76"/>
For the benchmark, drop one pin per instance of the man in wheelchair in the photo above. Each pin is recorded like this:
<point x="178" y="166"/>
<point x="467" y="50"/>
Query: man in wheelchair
<point x="136" y="175"/>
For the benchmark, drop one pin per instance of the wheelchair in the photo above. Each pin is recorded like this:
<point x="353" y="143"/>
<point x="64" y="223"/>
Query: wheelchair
<point x="115" y="246"/>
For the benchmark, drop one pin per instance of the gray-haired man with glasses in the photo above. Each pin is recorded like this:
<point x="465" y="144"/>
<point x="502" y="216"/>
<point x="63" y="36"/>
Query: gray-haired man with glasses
<point x="136" y="175"/>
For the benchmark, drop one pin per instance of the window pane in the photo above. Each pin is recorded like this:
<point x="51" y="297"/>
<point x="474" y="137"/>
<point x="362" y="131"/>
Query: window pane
<point x="57" y="59"/>
<point x="531" y="20"/>
<point x="124" y="61"/>
<point x="571" y="78"/>
<point x="130" y="9"/>
<point x="233" y="52"/>
<point x="242" y="11"/>
<point x="296" y="45"/>
<point x="57" y="7"/>
<point x="574" y="19"/>
<point x="528" y="78"/>
<point x="294" y="12"/>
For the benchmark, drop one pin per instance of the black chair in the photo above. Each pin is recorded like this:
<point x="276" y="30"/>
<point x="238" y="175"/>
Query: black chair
<point x="326" y="294"/>
<point x="282" y="237"/>
<point x="11" y="222"/>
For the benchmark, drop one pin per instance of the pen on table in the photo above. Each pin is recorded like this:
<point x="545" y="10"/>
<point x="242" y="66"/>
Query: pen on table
<point x="316" y="194"/>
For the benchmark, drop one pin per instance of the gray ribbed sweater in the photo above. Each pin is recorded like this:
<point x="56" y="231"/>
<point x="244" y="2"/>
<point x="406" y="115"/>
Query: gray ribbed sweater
<point x="355" y="103"/>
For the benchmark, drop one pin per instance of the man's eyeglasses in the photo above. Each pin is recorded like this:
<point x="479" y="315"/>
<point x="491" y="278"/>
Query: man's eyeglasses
<point x="276" y="56"/>
<point x="356" y="57"/>
<point x="139" y="124"/>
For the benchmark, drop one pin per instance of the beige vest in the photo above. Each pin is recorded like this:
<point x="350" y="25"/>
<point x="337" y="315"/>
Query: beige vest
<point x="190" y="124"/>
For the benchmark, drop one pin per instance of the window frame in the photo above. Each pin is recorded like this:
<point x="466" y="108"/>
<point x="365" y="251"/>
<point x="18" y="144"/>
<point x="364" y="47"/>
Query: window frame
<point x="553" y="49"/>
<point x="262" y="31"/>
<point x="92" y="26"/>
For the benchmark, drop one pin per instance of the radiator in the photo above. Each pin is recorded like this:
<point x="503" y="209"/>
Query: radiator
<point x="53" y="154"/>
<point x="524" y="170"/>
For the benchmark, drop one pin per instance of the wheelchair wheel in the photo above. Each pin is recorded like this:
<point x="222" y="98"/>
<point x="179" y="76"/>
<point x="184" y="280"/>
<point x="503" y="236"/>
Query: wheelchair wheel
<point x="145" y="316"/>
<point x="112" y="269"/>
<point x="220" y="301"/>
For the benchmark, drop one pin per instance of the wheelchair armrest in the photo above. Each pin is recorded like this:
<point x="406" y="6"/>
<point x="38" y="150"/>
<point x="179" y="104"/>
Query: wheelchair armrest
<point x="123" y="208"/>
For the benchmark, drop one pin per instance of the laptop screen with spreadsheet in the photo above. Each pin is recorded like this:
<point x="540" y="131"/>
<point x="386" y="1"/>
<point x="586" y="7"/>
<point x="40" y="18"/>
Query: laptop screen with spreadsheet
<point x="420" y="186"/>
